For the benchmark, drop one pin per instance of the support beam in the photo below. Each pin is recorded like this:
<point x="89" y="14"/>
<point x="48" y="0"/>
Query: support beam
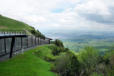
<point x="49" y="41"/>
<point x="12" y="46"/>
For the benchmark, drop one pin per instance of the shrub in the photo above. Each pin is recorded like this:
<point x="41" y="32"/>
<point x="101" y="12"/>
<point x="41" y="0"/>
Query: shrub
<point x="56" y="50"/>
<point x="37" y="33"/>
<point x="109" y="63"/>
<point x="67" y="64"/>
<point x="89" y="58"/>
<point x="66" y="49"/>
<point x="96" y="74"/>
<point x="58" y="43"/>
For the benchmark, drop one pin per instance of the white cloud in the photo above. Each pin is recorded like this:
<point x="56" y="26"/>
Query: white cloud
<point x="94" y="6"/>
<point x="39" y="14"/>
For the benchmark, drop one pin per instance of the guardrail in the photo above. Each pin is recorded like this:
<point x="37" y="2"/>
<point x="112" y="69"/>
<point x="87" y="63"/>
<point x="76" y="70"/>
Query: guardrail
<point x="13" y="32"/>
<point x="13" y="42"/>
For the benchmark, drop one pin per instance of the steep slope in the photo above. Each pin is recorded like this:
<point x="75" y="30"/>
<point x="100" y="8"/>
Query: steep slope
<point x="8" y="24"/>
<point x="11" y="24"/>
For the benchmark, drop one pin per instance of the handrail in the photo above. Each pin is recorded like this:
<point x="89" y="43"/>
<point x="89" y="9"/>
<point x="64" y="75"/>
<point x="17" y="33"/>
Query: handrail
<point x="13" y="33"/>
<point x="30" y="41"/>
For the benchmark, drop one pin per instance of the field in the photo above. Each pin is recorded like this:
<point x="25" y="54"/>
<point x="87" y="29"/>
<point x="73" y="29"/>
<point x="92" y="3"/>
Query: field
<point x="102" y="42"/>
<point x="102" y="45"/>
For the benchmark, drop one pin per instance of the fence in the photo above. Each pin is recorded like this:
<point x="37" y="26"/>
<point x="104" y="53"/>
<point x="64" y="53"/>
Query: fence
<point x="10" y="43"/>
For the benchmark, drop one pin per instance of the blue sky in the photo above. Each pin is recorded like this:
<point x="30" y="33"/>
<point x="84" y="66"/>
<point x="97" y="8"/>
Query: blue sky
<point x="62" y="15"/>
<point x="58" y="10"/>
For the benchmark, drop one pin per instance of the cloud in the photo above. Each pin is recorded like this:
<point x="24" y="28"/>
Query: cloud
<point x="97" y="10"/>
<point x="94" y="6"/>
<point x="61" y="15"/>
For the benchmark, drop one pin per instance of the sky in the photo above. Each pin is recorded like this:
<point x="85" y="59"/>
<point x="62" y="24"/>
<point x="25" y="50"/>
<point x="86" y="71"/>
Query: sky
<point x="62" y="15"/>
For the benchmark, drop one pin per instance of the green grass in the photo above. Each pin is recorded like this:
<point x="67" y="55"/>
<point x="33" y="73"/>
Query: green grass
<point x="46" y="53"/>
<point x="28" y="64"/>
<point x="11" y="24"/>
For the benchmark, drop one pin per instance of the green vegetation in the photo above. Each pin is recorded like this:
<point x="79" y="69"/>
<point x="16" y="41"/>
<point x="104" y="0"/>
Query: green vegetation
<point x="28" y="64"/>
<point x="11" y="24"/>
<point x="67" y="64"/>
<point x="58" y="43"/>
<point x="35" y="62"/>
<point x="87" y="62"/>
<point x="55" y="60"/>
<point x="7" y="24"/>
<point x="79" y="44"/>
<point x="59" y="47"/>
<point x="88" y="58"/>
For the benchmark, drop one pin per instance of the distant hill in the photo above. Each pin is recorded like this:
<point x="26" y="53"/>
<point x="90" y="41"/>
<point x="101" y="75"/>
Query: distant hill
<point x="8" y="24"/>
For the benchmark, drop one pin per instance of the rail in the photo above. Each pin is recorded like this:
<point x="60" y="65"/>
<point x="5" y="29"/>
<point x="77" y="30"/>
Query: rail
<point x="13" y="42"/>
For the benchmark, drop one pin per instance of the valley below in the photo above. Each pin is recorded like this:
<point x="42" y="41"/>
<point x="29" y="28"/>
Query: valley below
<point x="78" y="44"/>
<point x="76" y="41"/>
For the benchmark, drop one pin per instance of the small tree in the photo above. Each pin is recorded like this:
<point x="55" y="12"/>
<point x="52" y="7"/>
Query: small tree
<point x="67" y="64"/>
<point x="37" y="33"/>
<point x="58" y="43"/>
<point x="89" y="59"/>
<point x="109" y="63"/>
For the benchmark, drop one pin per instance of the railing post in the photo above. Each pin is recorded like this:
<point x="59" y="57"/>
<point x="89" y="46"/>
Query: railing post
<point x="27" y="42"/>
<point x="39" y="40"/>
<point x="35" y="40"/>
<point x="31" y="42"/>
<point x="49" y="41"/>
<point x="5" y="44"/>
<point x="21" y="43"/>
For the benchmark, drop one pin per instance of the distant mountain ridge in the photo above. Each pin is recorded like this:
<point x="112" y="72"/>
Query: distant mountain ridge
<point x="82" y="35"/>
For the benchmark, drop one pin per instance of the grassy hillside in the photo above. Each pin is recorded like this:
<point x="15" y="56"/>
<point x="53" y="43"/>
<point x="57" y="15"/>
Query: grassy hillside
<point x="8" y="24"/>
<point x="28" y="64"/>
<point x="11" y="24"/>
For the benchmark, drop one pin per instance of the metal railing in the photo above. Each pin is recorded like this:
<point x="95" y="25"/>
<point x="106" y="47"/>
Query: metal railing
<point x="12" y="42"/>
<point x="2" y="33"/>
